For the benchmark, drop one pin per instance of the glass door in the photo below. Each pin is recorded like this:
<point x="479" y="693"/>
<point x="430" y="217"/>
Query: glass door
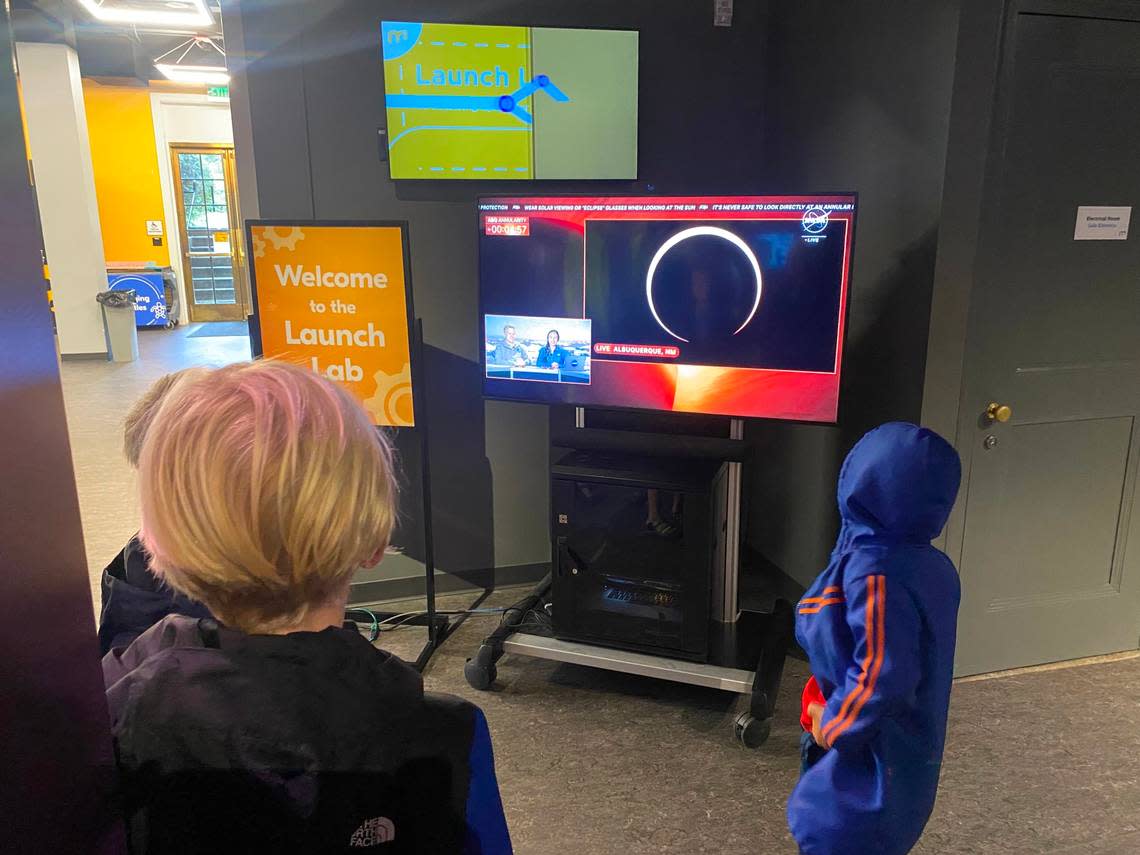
<point x="210" y="226"/>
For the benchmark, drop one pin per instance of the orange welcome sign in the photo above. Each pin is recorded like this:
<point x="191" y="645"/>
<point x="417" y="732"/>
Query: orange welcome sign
<point x="333" y="298"/>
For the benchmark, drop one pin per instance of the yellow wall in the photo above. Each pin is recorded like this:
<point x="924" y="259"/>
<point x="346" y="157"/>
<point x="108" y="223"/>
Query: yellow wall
<point x="121" y="129"/>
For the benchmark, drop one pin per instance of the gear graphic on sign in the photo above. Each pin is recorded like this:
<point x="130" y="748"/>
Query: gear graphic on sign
<point x="286" y="241"/>
<point x="258" y="246"/>
<point x="392" y="403"/>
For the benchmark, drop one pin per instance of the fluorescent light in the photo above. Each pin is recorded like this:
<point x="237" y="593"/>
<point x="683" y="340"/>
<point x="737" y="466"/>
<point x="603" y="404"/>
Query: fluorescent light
<point x="203" y="68"/>
<point x="210" y="74"/>
<point x="194" y="14"/>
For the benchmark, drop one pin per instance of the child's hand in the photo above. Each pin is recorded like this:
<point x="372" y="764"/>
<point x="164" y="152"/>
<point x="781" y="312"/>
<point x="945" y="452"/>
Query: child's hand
<point x="816" y="713"/>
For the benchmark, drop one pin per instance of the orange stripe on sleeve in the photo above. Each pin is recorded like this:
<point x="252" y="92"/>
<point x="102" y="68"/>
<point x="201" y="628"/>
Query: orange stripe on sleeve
<point x="867" y="660"/>
<point x="827" y="593"/>
<point x="820" y="602"/>
<point x="880" y="632"/>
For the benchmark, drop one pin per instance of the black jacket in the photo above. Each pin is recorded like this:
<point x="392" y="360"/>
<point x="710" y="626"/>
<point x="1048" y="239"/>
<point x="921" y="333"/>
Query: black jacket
<point x="307" y="742"/>
<point x="134" y="599"/>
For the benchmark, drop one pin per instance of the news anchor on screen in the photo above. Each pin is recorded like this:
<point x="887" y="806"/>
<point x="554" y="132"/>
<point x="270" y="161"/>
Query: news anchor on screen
<point x="508" y="351"/>
<point x="553" y="355"/>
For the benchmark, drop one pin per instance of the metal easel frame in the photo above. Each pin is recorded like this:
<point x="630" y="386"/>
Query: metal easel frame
<point x="440" y="627"/>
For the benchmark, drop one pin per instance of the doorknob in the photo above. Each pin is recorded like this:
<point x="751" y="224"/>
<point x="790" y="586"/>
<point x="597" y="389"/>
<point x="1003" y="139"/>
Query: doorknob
<point x="996" y="412"/>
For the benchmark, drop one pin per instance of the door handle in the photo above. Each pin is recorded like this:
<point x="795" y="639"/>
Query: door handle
<point x="567" y="557"/>
<point x="996" y="412"/>
<point x="563" y="559"/>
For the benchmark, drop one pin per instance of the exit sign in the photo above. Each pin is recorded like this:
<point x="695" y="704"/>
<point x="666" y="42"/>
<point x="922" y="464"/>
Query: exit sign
<point x="218" y="91"/>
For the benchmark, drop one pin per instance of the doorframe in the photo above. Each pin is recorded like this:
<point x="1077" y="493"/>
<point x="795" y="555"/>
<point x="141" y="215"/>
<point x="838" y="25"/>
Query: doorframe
<point x="236" y="230"/>
<point x="976" y="119"/>
<point x="162" y="142"/>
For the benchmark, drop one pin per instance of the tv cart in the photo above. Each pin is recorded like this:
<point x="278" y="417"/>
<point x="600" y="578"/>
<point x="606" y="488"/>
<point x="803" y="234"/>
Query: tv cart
<point x="747" y="646"/>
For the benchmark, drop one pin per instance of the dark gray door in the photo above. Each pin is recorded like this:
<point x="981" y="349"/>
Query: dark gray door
<point x="1048" y="568"/>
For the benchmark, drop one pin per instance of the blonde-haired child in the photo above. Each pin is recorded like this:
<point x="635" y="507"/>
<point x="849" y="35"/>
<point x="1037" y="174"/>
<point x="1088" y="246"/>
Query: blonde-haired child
<point x="264" y="487"/>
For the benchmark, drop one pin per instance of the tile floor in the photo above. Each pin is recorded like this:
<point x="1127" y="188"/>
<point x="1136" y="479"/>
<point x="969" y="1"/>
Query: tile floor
<point x="592" y="762"/>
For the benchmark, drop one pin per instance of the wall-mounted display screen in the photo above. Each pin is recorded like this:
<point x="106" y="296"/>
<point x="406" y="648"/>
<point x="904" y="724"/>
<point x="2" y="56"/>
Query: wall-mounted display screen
<point x="470" y="101"/>
<point x="721" y="305"/>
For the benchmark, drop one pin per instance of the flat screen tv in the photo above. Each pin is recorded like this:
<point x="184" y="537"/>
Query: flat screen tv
<point x="721" y="305"/>
<point x="475" y="102"/>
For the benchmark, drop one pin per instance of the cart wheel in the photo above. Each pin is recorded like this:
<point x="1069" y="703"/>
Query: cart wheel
<point x="751" y="731"/>
<point x="170" y="325"/>
<point x="480" y="670"/>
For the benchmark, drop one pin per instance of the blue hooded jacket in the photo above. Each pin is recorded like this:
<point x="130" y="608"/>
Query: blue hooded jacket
<point x="879" y="627"/>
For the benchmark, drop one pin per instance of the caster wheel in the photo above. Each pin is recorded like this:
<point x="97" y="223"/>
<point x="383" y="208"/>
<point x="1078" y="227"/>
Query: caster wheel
<point x="479" y="675"/>
<point x="751" y="731"/>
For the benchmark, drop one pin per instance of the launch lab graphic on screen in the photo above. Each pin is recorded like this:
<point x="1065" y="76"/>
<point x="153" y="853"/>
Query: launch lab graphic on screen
<point x="485" y="102"/>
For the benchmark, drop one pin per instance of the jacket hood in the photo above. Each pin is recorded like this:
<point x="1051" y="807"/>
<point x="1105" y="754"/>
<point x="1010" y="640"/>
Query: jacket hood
<point x="898" y="483"/>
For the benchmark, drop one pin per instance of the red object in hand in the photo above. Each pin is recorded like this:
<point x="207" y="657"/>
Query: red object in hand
<point x="811" y="695"/>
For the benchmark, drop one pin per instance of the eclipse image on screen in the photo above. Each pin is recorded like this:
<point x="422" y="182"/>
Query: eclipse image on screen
<point x="722" y="305"/>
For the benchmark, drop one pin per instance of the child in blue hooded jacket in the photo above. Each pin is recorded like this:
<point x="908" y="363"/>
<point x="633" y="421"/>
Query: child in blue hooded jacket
<point x="879" y="628"/>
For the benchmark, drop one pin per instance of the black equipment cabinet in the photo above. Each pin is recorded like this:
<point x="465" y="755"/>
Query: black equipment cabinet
<point x="646" y="572"/>
<point x="632" y="543"/>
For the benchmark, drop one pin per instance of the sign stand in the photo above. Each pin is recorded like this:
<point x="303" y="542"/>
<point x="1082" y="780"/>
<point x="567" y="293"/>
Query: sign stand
<point x="439" y="626"/>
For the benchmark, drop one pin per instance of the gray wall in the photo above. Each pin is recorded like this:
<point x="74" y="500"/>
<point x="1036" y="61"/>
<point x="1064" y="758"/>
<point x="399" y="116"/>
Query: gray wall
<point x="796" y="96"/>
<point x="858" y="98"/>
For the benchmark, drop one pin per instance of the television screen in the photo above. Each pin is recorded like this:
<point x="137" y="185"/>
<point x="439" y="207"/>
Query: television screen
<point x="722" y="305"/>
<point x="485" y="102"/>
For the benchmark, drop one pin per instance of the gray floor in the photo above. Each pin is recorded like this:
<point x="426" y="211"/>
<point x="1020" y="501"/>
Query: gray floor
<point x="594" y="762"/>
<point x="591" y="762"/>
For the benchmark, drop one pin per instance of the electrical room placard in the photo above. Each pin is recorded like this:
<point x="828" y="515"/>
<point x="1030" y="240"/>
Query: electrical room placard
<point x="335" y="298"/>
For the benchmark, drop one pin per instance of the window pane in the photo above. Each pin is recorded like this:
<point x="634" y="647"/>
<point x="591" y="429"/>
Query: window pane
<point x="216" y="193"/>
<point x="218" y="218"/>
<point x="212" y="166"/>
<point x="196" y="217"/>
<point x="192" y="193"/>
<point x="190" y="166"/>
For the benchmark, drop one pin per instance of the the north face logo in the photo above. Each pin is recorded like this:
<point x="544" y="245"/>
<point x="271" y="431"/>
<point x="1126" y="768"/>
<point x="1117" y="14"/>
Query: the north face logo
<point x="373" y="833"/>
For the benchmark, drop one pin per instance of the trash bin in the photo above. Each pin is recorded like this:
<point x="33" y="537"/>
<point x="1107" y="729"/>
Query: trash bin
<point x="119" y="325"/>
<point x="173" y="305"/>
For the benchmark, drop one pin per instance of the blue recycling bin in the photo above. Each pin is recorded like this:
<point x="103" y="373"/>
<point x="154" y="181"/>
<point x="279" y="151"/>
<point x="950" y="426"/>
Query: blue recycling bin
<point x="150" y="296"/>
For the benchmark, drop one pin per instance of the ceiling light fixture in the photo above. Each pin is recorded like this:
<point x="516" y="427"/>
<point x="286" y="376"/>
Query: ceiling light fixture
<point x="202" y="67"/>
<point x="191" y="13"/>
